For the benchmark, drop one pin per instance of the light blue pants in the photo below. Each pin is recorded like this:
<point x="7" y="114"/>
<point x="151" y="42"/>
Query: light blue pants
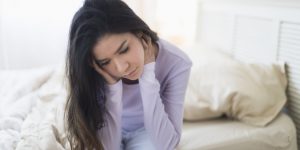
<point x="136" y="140"/>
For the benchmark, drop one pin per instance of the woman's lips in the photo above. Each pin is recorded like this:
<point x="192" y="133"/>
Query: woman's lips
<point x="132" y="73"/>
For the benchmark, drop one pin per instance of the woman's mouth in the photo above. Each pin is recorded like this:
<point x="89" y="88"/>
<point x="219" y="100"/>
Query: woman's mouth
<point x="132" y="73"/>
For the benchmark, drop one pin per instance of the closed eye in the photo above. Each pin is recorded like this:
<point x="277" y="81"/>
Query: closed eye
<point x="121" y="52"/>
<point x="124" y="51"/>
<point x="104" y="63"/>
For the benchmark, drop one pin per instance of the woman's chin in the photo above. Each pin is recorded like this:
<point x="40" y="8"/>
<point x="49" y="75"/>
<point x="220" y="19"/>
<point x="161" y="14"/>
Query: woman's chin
<point x="131" y="79"/>
<point x="134" y="76"/>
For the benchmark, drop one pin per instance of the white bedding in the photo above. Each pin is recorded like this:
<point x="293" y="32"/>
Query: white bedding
<point x="34" y="120"/>
<point x="223" y="134"/>
<point x="32" y="103"/>
<point x="18" y="95"/>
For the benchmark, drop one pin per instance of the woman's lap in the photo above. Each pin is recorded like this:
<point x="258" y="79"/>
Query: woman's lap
<point x="136" y="140"/>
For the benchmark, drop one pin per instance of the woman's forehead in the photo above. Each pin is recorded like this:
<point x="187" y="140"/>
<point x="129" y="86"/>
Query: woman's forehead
<point x="109" y="44"/>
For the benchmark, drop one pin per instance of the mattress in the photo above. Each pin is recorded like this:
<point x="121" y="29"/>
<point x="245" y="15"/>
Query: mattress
<point x="225" y="134"/>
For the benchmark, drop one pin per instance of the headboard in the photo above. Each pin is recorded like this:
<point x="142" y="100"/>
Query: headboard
<point x="257" y="31"/>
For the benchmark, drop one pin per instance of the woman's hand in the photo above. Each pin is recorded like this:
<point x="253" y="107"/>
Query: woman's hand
<point x="109" y="79"/>
<point x="150" y="50"/>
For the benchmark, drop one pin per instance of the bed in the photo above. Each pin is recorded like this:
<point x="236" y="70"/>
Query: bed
<point x="34" y="120"/>
<point x="227" y="134"/>
<point x="31" y="111"/>
<point x="256" y="31"/>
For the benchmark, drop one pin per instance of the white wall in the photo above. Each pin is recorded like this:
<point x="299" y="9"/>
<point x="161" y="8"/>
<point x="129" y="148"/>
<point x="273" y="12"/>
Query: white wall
<point x="34" y="33"/>
<point x="173" y="20"/>
<point x="2" y="65"/>
<point x="217" y="19"/>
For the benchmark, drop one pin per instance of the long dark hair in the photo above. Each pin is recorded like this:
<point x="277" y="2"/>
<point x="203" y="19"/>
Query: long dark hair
<point x="85" y="107"/>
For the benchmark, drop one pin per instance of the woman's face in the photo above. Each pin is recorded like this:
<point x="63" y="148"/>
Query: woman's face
<point x="121" y="55"/>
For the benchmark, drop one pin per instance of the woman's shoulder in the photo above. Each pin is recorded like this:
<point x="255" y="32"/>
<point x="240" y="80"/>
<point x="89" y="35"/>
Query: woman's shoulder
<point x="170" y="61"/>
<point x="171" y="55"/>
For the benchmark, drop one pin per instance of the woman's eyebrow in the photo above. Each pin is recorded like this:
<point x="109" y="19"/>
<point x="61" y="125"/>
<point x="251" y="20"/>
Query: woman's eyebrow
<point x="117" y="51"/>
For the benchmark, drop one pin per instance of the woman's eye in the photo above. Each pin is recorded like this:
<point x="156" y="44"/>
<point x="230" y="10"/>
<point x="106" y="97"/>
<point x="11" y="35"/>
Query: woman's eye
<point x="124" y="51"/>
<point x="105" y="63"/>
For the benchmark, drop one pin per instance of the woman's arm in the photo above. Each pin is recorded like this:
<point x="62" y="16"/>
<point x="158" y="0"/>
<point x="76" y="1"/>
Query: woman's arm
<point x="163" y="118"/>
<point x="110" y="134"/>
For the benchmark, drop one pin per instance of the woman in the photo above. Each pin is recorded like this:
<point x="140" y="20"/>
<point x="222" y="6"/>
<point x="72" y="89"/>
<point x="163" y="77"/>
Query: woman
<point x="126" y="86"/>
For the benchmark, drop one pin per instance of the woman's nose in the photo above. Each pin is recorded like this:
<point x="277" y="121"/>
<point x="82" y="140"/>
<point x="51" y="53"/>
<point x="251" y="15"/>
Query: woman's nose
<point x="121" y="66"/>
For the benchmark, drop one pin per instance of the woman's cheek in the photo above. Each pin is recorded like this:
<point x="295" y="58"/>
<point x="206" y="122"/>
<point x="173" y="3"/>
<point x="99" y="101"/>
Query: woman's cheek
<point x="109" y="70"/>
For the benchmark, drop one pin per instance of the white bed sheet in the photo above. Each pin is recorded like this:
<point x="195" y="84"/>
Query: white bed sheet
<point x="224" y="134"/>
<point x="41" y="125"/>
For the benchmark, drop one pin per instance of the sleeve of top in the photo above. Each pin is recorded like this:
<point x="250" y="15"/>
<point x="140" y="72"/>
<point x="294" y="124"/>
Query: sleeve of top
<point x="163" y="114"/>
<point x="110" y="134"/>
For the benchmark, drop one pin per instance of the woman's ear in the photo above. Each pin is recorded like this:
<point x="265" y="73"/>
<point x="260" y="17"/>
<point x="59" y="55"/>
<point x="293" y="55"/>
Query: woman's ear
<point x="144" y="43"/>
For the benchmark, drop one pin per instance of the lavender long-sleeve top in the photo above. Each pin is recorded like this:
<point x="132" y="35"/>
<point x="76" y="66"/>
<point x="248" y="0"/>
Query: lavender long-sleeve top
<point x="156" y="102"/>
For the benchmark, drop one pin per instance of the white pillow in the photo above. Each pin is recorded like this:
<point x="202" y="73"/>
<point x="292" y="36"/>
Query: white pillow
<point x="251" y="92"/>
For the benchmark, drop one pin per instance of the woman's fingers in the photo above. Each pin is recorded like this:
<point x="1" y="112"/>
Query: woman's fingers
<point x="147" y="52"/>
<point x="109" y="79"/>
<point x="98" y="69"/>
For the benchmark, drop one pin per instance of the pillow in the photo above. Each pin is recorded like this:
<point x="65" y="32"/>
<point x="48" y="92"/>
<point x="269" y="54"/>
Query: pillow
<point x="251" y="92"/>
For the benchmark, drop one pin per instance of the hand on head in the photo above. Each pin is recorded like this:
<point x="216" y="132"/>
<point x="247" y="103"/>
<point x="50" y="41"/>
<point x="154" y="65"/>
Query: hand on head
<point x="149" y="49"/>
<point x="108" y="78"/>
